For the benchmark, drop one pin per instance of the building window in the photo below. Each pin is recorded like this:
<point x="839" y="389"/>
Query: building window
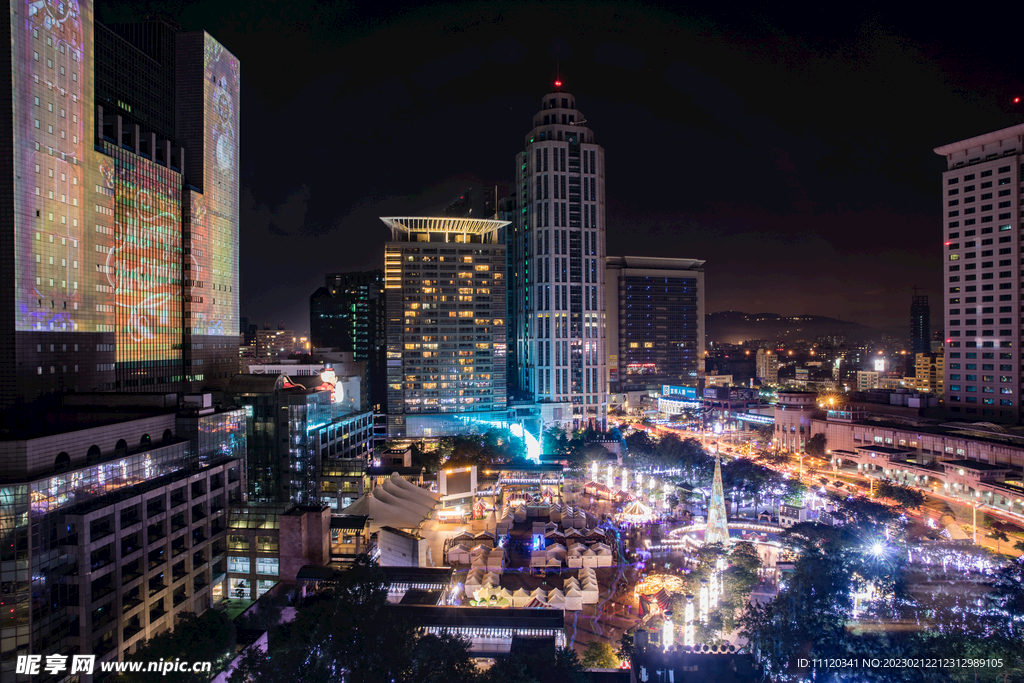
<point x="239" y="565"/>
<point x="267" y="565"/>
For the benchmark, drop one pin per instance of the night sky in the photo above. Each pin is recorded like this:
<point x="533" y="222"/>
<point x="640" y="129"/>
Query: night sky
<point x="790" y="149"/>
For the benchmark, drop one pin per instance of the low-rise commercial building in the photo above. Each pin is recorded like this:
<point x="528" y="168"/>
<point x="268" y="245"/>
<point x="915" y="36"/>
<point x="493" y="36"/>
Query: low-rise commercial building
<point x="116" y="526"/>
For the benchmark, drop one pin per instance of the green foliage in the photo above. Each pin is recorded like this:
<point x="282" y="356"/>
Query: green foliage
<point x="626" y="647"/>
<point x="208" y="637"/>
<point x="816" y="445"/>
<point x="903" y="496"/>
<point x="421" y="457"/>
<point x="599" y="655"/>
<point x="537" y="668"/>
<point x="442" y="658"/>
<point x="999" y="537"/>
<point x="494" y="447"/>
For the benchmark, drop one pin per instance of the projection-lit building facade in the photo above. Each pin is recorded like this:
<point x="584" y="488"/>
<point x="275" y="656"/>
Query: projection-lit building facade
<point x="120" y="245"/>
<point x="444" y="287"/>
<point x="557" y="240"/>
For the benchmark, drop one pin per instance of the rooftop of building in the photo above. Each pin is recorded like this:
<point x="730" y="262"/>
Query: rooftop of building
<point x="350" y="522"/>
<point x="1004" y="435"/>
<point x="979" y="140"/>
<point x="422" y="596"/>
<point x="272" y="382"/>
<point x="974" y="465"/>
<point x="655" y="263"/>
<point x="482" y="617"/>
<point x="399" y="532"/>
<point x="442" y="225"/>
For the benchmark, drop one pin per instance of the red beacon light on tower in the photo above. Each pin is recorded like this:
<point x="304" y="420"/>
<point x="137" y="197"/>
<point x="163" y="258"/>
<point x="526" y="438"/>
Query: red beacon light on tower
<point x="1016" y="100"/>
<point x="558" y="84"/>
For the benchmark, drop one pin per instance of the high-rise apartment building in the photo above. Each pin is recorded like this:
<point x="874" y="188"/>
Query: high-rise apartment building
<point x="347" y="313"/>
<point x="981" y="226"/>
<point x="444" y="283"/>
<point x="655" y="328"/>
<point x="120" y="213"/>
<point x="558" y="249"/>
<point x="920" y="325"/>
<point x="767" y="366"/>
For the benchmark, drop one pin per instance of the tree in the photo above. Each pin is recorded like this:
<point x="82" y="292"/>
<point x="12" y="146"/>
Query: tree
<point x="599" y="655"/>
<point x="1019" y="545"/>
<point x="508" y="670"/>
<point x="999" y="537"/>
<point x="626" y="647"/>
<point x="816" y="445"/>
<point x="903" y="496"/>
<point x="537" y="667"/>
<point x="442" y="658"/>
<point x="207" y="637"/>
<point x="346" y="630"/>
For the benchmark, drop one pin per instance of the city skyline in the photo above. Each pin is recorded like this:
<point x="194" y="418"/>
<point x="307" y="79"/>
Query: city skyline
<point x="821" y="128"/>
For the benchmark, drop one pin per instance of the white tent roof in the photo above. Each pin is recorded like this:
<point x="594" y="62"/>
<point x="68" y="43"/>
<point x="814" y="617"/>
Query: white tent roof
<point x="382" y="495"/>
<point x="408" y="486"/>
<point x="408" y="497"/>
<point x="382" y="514"/>
<point x="520" y="593"/>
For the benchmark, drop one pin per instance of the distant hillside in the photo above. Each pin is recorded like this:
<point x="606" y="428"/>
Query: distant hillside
<point x="736" y="326"/>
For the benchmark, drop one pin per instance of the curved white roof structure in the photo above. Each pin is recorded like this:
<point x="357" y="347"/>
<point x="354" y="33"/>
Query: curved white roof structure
<point x="408" y="486"/>
<point x="383" y="514"/>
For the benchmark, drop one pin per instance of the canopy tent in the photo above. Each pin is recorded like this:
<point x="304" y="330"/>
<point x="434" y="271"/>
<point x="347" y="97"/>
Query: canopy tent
<point x="394" y="501"/>
<point x="536" y="602"/>
<point x="409" y="486"/>
<point x="663" y="598"/>
<point x="645" y="606"/>
<point x="459" y="554"/>
<point x="520" y="598"/>
<point x="383" y="514"/>
<point x="414" y="501"/>
<point x="573" y="599"/>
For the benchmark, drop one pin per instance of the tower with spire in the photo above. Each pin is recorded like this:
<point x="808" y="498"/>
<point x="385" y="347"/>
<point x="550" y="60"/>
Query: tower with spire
<point x="557" y="279"/>
<point x="718" y="528"/>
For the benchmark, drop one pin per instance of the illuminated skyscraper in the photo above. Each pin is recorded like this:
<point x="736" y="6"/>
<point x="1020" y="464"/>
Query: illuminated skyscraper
<point x="981" y="280"/>
<point x="119" y="243"/>
<point x="444" y="285"/>
<point x="558" y="251"/>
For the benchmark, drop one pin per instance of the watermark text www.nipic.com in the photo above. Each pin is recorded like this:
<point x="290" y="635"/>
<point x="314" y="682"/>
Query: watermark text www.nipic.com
<point x="85" y="664"/>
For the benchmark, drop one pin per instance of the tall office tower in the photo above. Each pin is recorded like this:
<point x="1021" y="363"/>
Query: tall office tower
<point x="655" y="322"/>
<point x="444" y="283"/>
<point x="920" y="325"/>
<point x="347" y="313"/>
<point x="980" y="236"/>
<point x="558" y="245"/>
<point x="120" y="247"/>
